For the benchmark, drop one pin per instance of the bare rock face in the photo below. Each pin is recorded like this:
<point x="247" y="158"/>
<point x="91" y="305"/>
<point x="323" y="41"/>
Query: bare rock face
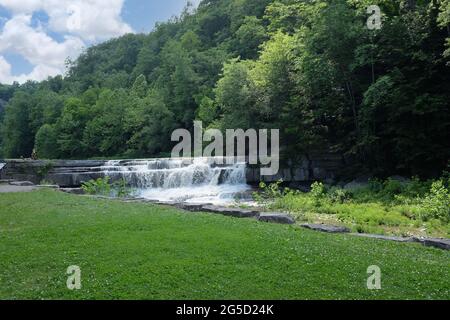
<point x="355" y="185"/>
<point x="276" y="218"/>
<point x="326" y="228"/>
<point x="65" y="173"/>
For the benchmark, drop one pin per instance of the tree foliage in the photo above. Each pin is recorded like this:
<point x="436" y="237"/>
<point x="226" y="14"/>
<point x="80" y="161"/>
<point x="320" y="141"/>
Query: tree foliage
<point x="310" y="68"/>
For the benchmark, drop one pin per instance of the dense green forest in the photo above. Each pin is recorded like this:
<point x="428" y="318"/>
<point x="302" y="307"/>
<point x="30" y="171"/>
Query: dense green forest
<point x="311" y="68"/>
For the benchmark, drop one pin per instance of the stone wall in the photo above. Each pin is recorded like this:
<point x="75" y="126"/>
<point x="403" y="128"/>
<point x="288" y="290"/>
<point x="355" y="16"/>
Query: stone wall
<point x="65" y="173"/>
<point x="317" y="166"/>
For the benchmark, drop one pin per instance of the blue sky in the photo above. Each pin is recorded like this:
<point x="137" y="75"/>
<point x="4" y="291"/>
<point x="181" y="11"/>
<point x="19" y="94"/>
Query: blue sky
<point x="143" y="14"/>
<point x="36" y="36"/>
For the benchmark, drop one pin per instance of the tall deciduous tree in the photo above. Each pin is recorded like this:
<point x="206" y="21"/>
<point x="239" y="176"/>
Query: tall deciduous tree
<point x="17" y="129"/>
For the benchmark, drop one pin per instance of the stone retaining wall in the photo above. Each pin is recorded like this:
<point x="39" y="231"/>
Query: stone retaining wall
<point x="65" y="173"/>
<point x="317" y="166"/>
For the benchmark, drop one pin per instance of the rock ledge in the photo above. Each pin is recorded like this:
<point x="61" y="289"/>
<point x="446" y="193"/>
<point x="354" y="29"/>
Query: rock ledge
<point x="276" y="218"/>
<point x="326" y="228"/>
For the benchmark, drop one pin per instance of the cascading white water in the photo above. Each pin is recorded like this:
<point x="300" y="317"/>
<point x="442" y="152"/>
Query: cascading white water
<point x="197" y="180"/>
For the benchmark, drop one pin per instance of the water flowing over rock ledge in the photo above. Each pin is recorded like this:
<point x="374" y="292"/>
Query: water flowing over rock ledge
<point x="72" y="173"/>
<point x="193" y="180"/>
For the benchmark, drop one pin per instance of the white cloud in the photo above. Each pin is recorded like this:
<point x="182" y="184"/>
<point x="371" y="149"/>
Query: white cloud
<point x="80" y="21"/>
<point x="5" y="71"/>
<point x="34" y="45"/>
<point x="45" y="54"/>
<point x="40" y="72"/>
<point x="22" y="6"/>
<point x="91" y="20"/>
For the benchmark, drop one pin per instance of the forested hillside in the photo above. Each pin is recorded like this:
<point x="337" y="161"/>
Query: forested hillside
<point x="311" y="68"/>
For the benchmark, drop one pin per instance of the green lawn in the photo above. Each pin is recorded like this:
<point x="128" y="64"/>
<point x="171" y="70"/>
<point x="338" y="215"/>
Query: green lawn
<point x="140" y="251"/>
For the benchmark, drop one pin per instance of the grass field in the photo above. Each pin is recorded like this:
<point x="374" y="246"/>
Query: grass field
<point x="140" y="251"/>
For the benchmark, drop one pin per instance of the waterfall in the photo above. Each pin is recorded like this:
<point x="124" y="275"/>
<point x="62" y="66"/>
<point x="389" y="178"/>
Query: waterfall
<point x="192" y="180"/>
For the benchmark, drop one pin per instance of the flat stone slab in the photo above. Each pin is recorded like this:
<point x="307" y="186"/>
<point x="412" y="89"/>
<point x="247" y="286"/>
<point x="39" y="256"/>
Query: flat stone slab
<point x="190" y="207"/>
<point x="6" y="181"/>
<point x="22" y="183"/>
<point x="433" y="242"/>
<point x="381" y="237"/>
<point x="428" y="242"/>
<point x="326" y="228"/>
<point x="276" y="218"/>
<point x="163" y="203"/>
<point x="6" y="188"/>
<point x="232" y="212"/>
<point x="72" y="190"/>
<point x="50" y="186"/>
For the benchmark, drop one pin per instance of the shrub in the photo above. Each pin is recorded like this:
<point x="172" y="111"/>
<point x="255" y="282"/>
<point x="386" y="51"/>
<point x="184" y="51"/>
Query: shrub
<point x="375" y="185"/>
<point x="43" y="171"/>
<point x="437" y="203"/>
<point x="318" y="192"/>
<point x="272" y="192"/>
<point x="121" y="188"/>
<point x="101" y="186"/>
<point x="416" y="188"/>
<point x="268" y="192"/>
<point x="338" y="195"/>
<point x="391" y="188"/>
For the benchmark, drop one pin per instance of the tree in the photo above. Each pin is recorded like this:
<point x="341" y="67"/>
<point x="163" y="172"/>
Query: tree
<point x="46" y="109"/>
<point x="140" y="87"/>
<point x="18" y="138"/>
<point x="444" y="22"/>
<point x="310" y="68"/>
<point x="151" y="124"/>
<point x="235" y="96"/>
<point x="250" y="36"/>
<point x="105" y="134"/>
<point x="207" y="110"/>
<point x="46" y="142"/>
<point x="178" y="82"/>
<point x="70" y="128"/>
